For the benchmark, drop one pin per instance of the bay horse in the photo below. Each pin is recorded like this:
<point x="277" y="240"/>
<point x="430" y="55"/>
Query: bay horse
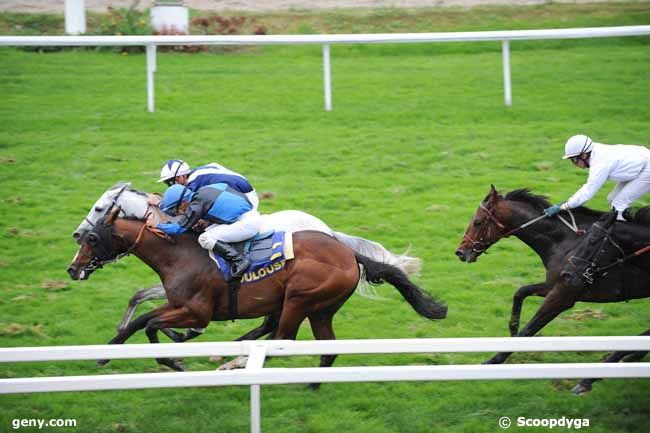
<point x="613" y="253"/>
<point x="313" y="285"/>
<point x="139" y="205"/>
<point x="521" y="214"/>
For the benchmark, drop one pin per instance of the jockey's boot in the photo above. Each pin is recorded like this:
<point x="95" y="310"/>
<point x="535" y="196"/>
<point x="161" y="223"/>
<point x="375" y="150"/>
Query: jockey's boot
<point x="238" y="262"/>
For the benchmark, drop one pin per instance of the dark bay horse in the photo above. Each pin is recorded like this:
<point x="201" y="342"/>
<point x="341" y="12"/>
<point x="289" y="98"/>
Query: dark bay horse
<point x="616" y="253"/>
<point x="552" y="240"/>
<point x="313" y="285"/>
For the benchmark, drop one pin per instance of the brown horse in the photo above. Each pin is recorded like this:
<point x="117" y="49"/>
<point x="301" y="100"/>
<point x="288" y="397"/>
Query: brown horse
<point x="314" y="285"/>
<point x="521" y="214"/>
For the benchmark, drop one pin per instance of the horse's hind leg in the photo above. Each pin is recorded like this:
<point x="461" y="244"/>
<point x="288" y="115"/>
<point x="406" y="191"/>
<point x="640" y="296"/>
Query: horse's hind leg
<point x="321" y="327"/>
<point x="585" y="385"/>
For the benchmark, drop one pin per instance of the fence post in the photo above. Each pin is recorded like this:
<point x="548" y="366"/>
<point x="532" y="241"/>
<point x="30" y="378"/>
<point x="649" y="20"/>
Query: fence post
<point x="75" y="17"/>
<point x="327" y="77"/>
<point x="505" y="49"/>
<point x="256" y="357"/>
<point x="151" y="69"/>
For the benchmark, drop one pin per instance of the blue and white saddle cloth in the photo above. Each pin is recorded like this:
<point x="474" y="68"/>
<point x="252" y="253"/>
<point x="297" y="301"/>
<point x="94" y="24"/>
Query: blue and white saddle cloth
<point x="268" y="256"/>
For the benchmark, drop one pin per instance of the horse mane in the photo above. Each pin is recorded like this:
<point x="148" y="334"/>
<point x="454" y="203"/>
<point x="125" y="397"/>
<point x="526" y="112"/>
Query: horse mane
<point x="129" y="188"/>
<point x="540" y="202"/>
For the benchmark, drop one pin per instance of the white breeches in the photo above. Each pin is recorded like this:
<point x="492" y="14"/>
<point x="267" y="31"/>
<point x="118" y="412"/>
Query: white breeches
<point x="253" y="199"/>
<point x="247" y="226"/>
<point x="626" y="193"/>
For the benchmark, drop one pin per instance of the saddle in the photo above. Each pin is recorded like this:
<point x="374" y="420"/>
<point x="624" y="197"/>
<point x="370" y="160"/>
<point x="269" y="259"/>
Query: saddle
<point x="267" y="252"/>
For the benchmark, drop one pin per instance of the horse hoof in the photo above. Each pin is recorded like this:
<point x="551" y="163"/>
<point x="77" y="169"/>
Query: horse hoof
<point x="239" y="362"/>
<point x="216" y="358"/>
<point x="314" y="386"/>
<point x="580" y="389"/>
<point x="102" y="362"/>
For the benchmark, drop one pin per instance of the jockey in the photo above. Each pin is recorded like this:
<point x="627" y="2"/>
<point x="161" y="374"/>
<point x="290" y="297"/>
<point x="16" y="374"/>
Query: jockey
<point x="232" y="217"/>
<point x="177" y="171"/>
<point x="628" y="165"/>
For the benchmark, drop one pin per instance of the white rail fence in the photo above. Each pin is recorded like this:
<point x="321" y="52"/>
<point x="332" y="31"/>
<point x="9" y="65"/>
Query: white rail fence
<point x="255" y="374"/>
<point x="151" y="42"/>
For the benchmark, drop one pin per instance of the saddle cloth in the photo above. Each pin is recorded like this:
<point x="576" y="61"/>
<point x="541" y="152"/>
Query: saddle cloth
<point x="268" y="256"/>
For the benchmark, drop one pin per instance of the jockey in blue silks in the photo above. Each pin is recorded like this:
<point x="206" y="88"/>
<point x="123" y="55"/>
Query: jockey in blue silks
<point x="232" y="218"/>
<point x="178" y="171"/>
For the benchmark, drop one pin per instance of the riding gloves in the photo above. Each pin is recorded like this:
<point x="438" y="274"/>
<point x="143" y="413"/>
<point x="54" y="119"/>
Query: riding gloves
<point x="555" y="209"/>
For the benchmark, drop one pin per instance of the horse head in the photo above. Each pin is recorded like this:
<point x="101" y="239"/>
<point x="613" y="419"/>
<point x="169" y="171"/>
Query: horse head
<point x="133" y="204"/>
<point x="485" y="228"/>
<point x="98" y="247"/>
<point x="597" y="249"/>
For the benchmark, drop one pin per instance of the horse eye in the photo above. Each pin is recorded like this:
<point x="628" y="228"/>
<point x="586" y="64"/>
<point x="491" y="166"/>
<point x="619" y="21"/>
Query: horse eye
<point x="92" y="239"/>
<point x="477" y="223"/>
<point x="98" y="208"/>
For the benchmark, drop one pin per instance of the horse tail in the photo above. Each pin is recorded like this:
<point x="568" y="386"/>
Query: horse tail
<point x="376" y="273"/>
<point x="376" y="251"/>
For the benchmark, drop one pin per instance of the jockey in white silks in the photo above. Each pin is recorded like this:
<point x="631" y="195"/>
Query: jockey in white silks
<point x="229" y="212"/>
<point x="628" y="165"/>
<point x="178" y="171"/>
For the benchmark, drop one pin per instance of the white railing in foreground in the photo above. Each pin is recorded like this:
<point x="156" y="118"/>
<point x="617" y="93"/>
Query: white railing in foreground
<point x="255" y="374"/>
<point x="151" y="42"/>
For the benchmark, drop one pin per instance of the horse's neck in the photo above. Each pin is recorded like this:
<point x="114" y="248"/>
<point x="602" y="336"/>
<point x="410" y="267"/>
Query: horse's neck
<point x="167" y="258"/>
<point x="547" y="234"/>
<point x="133" y="204"/>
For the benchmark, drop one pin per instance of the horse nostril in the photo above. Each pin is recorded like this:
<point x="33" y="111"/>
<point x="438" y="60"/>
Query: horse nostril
<point x="460" y="254"/>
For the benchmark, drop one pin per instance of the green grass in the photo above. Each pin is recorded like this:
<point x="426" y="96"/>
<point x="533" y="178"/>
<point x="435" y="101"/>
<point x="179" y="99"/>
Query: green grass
<point x="417" y="135"/>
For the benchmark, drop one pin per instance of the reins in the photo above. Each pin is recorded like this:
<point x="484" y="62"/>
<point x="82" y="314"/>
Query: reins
<point x="571" y="225"/>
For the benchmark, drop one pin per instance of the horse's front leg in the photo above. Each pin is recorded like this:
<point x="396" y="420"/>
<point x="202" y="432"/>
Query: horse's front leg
<point x="181" y="317"/>
<point x="142" y="295"/>
<point x="558" y="300"/>
<point x="134" y="326"/>
<point x="540" y="289"/>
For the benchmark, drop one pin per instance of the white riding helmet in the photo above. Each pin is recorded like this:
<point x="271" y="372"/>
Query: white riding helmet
<point x="577" y="145"/>
<point x="173" y="168"/>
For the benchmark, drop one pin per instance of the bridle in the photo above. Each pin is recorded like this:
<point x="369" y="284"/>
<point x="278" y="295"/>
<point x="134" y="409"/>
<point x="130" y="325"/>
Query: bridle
<point x="98" y="260"/>
<point x="110" y="207"/>
<point x="480" y="246"/>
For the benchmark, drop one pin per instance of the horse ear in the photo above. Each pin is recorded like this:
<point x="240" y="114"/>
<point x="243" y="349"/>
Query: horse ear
<point x="113" y="216"/>
<point x="493" y="195"/>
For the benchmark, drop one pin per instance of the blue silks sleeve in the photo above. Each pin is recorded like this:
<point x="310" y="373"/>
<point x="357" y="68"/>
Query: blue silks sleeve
<point x="172" y="228"/>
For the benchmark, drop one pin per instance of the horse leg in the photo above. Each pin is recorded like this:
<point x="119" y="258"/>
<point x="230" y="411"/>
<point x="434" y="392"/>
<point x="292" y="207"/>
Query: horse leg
<point x="134" y="326"/>
<point x="321" y="327"/>
<point x="181" y="317"/>
<point x="269" y="325"/>
<point x="522" y="293"/>
<point x="585" y="385"/>
<point x="153" y="292"/>
<point x="555" y="302"/>
<point x="177" y="337"/>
